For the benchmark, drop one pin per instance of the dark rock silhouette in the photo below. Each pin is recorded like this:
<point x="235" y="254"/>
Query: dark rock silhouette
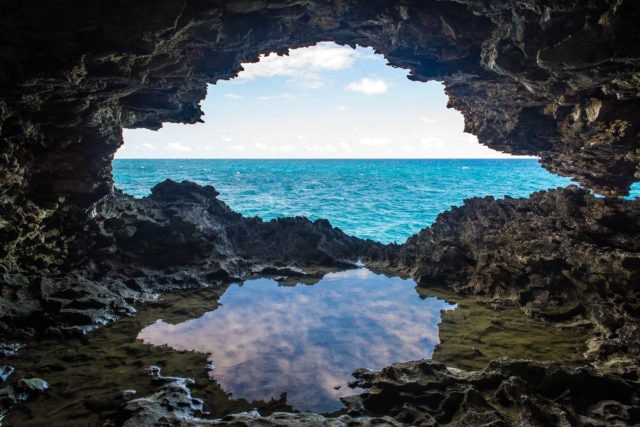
<point x="181" y="236"/>
<point x="554" y="79"/>
<point x="560" y="254"/>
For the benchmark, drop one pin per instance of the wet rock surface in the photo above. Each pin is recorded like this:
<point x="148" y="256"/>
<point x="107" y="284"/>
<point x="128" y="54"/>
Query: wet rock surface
<point x="181" y="236"/>
<point x="173" y="404"/>
<point x="559" y="255"/>
<point x="507" y="392"/>
<point x="20" y="392"/>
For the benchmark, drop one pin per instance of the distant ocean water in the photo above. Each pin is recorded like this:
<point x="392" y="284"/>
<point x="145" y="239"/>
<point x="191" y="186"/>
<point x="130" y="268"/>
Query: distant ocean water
<point x="384" y="200"/>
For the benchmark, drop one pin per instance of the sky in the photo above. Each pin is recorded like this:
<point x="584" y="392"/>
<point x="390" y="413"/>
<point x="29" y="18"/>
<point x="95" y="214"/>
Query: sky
<point x="325" y="101"/>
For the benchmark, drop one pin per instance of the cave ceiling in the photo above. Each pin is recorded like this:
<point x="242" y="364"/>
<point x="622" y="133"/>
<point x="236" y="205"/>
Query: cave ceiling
<point x="555" y="79"/>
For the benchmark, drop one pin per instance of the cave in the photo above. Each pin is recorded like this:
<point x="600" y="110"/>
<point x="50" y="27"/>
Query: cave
<point x="557" y="80"/>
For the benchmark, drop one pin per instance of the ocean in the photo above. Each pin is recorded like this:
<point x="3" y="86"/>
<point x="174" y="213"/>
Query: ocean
<point x="383" y="200"/>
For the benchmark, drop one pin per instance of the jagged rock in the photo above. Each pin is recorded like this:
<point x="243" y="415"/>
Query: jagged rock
<point x="5" y="372"/>
<point x="181" y="236"/>
<point x="10" y="350"/>
<point x="559" y="254"/>
<point x="507" y="392"/>
<point x="23" y="390"/>
<point x="32" y="385"/>
<point x="554" y="79"/>
<point x="180" y="224"/>
<point x="173" y="404"/>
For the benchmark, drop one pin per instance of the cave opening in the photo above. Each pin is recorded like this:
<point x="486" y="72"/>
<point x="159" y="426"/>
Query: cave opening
<point x="554" y="80"/>
<point x="281" y="137"/>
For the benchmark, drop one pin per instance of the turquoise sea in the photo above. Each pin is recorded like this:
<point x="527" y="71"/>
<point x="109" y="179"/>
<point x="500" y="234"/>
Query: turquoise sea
<point x="384" y="200"/>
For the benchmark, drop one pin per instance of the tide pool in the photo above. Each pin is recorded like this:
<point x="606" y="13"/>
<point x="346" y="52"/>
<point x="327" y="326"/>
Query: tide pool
<point x="306" y="340"/>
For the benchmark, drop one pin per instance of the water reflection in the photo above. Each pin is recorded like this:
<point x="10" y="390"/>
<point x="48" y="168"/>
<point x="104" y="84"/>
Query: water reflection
<point x="266" y="339"/>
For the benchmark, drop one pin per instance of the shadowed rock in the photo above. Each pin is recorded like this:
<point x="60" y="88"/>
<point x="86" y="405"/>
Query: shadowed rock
<point x="554" y="79"/>
<point x="181" y="236"/>
<point x="560" y="254"/>
<point x="507" y="392"/>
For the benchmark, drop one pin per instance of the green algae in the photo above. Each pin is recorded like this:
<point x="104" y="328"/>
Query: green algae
<point x="480" y="330"/>
<point x="89" y="375"/>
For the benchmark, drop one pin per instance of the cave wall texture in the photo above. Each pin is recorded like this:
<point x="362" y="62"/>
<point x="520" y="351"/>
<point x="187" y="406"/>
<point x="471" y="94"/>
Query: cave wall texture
<point x="557" y="79"/>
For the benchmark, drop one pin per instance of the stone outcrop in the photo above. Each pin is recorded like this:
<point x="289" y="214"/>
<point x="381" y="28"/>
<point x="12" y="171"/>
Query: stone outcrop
<point x="426" y="393"/>
<point x="181" y="236"/>
<point x="173" y="404"/>
<point x="560" y="254"/>
<point x="554" y="79"/>
<point x="505" y="393"/>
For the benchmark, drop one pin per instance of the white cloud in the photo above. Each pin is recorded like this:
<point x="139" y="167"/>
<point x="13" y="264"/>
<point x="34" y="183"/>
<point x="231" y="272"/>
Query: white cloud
<point x="368" y="86"/>
<point x="428" y="120"/>
<point x="303" y="65"/>
<point x="288" y="148"/>
<point x="238" y="147"/>
<point x="342" y="108"/>
<point x="148" y="145"/>
<point x="264" y="98"/>
<point x="232" y="96"/>
<point x="375" y="141"/>
<point x="310" y="81"/>
<point x="346" y="147"/>
<point x="274" y="148"/>
<point x="177" y="147"/>
<point x="430" y="145"/>
<point x="322" y="148"/>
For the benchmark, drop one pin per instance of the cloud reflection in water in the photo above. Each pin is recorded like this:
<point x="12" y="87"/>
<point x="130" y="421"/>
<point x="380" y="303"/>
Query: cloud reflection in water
<point x="266" y="339"/>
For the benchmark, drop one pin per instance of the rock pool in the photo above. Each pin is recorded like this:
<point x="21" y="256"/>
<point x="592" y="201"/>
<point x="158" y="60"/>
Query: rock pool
<point x="302" y="336"/>
<point x="266" y="339"/>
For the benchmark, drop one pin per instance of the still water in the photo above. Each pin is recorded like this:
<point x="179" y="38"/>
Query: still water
<point x="305" y="340"/>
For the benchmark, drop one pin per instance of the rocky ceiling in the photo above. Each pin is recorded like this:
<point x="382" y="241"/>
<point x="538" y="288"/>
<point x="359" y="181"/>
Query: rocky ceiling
<point x="554" y="78"/>
<point x="557" y="79"/>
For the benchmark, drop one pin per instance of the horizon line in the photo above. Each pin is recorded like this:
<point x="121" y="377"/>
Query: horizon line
<point x="331" y="158"/>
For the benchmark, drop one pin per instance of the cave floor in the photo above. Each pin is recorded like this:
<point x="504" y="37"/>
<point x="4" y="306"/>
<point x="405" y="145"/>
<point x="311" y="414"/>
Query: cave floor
<point x="90" y="376"/>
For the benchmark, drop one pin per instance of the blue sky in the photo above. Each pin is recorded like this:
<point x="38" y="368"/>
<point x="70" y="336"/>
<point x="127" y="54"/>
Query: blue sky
<point x="326" y="101"/>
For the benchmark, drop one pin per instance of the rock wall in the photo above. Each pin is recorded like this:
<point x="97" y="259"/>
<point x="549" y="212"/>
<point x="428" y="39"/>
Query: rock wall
<point x="559" y="255"/>
<point x="555" y="79"/>
<point x="181" y="236"/>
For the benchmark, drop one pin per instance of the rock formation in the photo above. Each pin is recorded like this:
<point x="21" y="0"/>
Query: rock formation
<point x="560" y="254"/>
<point x="181" y="236"/>
<point x="505" y="393"/>
<point x="556" y="79"/>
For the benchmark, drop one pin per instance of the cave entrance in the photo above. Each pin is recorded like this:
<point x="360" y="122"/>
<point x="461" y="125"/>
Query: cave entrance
<point x="329" y="132"/>
<point x="323" y="101"/>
